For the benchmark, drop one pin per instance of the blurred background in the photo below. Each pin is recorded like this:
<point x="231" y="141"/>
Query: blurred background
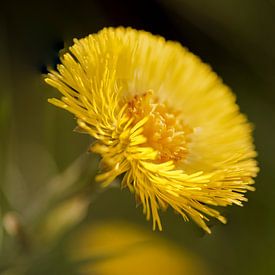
<point x="50" y="224"/>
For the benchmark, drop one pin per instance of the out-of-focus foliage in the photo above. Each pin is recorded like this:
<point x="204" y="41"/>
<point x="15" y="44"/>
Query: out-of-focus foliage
<point x="37" y="178"/>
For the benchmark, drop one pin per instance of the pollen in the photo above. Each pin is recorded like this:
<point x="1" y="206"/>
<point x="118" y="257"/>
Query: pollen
<point x="165" y="130"/>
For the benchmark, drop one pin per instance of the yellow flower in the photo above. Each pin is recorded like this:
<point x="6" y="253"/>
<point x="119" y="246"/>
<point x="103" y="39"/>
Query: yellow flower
<point x="120" y="248"/>
<point x="162" y="119"/>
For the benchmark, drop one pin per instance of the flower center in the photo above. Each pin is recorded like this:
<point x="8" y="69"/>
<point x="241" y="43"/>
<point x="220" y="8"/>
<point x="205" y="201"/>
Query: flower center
<point x="164" y="131"/>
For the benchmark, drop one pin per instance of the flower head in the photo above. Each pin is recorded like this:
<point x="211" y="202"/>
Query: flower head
<point x="105" y="247"/>
<point x="162" y="119"/>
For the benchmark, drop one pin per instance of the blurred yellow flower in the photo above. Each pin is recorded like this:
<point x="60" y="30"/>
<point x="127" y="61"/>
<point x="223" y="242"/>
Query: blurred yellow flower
<point x="117" y="248"/>
<point x="160" y="117"/>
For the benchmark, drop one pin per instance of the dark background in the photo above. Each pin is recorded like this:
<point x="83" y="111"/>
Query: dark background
<point x="236" y="37"/>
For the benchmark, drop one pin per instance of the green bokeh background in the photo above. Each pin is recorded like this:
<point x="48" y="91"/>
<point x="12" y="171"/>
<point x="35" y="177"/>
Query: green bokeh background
<point x="236" y="37"/>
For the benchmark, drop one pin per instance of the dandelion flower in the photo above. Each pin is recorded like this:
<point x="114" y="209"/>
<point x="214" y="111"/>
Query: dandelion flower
<point x="162" y="119"/>
<point x="115" y="247"/>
